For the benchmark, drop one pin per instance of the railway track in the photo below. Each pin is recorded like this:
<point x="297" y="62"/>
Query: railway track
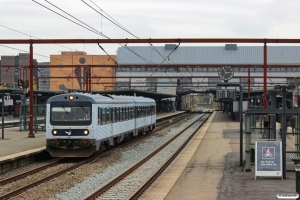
<point x="75" y="165"/>
<point x="131" y="179"/>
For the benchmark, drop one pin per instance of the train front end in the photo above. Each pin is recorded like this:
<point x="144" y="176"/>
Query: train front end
<point x="69" y="130"/>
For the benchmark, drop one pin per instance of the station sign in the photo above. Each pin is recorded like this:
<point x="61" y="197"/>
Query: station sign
<point x="268" y="158"/>
<point x="8" y="101"/>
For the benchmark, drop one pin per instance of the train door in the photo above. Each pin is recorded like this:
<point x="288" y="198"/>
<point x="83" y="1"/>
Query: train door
<point x="152" y="113"/>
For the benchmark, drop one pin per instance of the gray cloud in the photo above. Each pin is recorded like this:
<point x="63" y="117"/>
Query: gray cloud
<point x="148" y="19"/>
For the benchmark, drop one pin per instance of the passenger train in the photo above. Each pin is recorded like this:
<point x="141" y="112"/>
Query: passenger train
<point x="80" y="124"/>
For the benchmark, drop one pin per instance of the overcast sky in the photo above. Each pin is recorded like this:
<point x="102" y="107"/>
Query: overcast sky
<point x="144" y="19"/>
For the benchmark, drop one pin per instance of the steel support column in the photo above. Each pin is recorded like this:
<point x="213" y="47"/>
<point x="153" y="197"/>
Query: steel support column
<point x="265" y="75"/>
<point x="283" y="131"/>
<point x="31" y="133"/>
<point x="249" y="81"/>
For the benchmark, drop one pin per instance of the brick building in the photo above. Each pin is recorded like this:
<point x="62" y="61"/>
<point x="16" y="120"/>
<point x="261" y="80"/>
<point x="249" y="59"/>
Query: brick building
<point x="71" y="77"/>
<point x="10" y="75"/>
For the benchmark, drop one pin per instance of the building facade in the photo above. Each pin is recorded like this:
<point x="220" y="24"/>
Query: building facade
<point x="10" y="75"/>
<point x="283" y="65"/>
<point x="75" y="77"/>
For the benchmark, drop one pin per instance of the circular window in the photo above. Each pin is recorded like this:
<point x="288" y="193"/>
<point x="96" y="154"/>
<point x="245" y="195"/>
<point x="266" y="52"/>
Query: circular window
<point x="82" y="60"/>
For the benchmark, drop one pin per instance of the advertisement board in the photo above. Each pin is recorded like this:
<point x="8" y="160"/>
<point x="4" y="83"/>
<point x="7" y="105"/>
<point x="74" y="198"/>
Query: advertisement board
<point x="268" y="158"/>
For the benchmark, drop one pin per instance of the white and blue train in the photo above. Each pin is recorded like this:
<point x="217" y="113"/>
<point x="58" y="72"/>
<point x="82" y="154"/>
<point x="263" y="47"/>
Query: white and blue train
<point x="79" y="124"/>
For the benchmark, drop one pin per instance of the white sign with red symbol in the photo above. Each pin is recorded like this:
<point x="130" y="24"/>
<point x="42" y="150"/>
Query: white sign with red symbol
<point x="268" y="159"/>
<point x="268" y="152"/>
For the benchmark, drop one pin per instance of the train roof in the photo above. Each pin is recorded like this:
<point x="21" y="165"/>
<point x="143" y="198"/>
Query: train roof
<point x="95" y="98"/>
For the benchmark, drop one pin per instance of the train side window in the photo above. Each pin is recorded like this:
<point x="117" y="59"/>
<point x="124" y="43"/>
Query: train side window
<point x="99" y="116"/>
<point x="115" y="115"/>
<point x="131" y="112"/>
<point x="139" y="112"/>
<point x="118" y="114"/>
<point x="134" y="112"/>
<point x="110" y="115"/>
<point x="103" y="116"/>
<point x="127" y="113"/>
<point x="121" y="114"/>
<point x="128" y="109"/>
<point x="124" y="114"/>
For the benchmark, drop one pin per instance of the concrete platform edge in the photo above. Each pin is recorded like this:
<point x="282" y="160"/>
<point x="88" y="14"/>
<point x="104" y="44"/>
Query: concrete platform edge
<point x="167" y="180"/>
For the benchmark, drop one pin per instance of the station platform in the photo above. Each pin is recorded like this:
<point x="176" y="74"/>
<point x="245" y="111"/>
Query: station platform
<point x="209" y="169"/>
<point x="17" y="147"/>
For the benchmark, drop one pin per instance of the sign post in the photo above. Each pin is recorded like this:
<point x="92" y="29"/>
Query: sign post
<point x="268" y="158"/>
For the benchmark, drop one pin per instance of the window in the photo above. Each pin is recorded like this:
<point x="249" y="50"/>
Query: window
<point x="103" y="116"/>
<point x="115" y="115"/>
<point x="99" y="116"/>
<point x="121" y="115"/>
<point x="109" y="112"/>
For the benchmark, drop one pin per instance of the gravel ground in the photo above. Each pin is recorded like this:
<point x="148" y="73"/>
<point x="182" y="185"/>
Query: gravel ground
<point x="81" y="182"/>
<point x="25" y="168"/>
<point x="125" y="188"/>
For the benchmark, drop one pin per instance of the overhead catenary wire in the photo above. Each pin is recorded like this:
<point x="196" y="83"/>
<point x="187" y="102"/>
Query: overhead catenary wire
<point x="33" y="53"/>
<point x="110" y="57"/>
<point x="97" y="32"/>
<point x="33" y="36"/>
<point x="90" y="28"/>
<point x="121" y="26"/>
<point x="163" y="61"/>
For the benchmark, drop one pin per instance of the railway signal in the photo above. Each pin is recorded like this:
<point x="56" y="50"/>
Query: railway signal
<point x="20" y="83"/>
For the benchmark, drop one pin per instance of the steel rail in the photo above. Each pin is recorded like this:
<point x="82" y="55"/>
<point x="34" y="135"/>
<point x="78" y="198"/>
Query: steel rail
<point x="133" y="168"/>
<point x="48" y="178"/>
<point x="150" y="181"/>
<point x="31" y="172"/>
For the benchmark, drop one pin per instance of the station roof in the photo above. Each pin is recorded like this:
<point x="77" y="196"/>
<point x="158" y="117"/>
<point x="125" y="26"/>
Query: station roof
<point x="125" y="92"/>
<point x="197" y="55"/>
<point x="136" y="92"/>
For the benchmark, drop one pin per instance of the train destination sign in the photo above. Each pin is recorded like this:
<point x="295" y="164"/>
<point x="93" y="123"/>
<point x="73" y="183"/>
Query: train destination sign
<point x="268" y="158"/>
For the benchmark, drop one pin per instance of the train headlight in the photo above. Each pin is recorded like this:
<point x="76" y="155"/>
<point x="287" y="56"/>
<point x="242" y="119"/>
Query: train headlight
<point x="71" y="97"/>
<point x="54" y="132"/>
<point x="86" y="132"/>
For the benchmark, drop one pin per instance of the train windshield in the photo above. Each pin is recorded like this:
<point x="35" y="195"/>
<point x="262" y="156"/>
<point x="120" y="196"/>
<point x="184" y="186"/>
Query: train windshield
<point x="71" y="113"/>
